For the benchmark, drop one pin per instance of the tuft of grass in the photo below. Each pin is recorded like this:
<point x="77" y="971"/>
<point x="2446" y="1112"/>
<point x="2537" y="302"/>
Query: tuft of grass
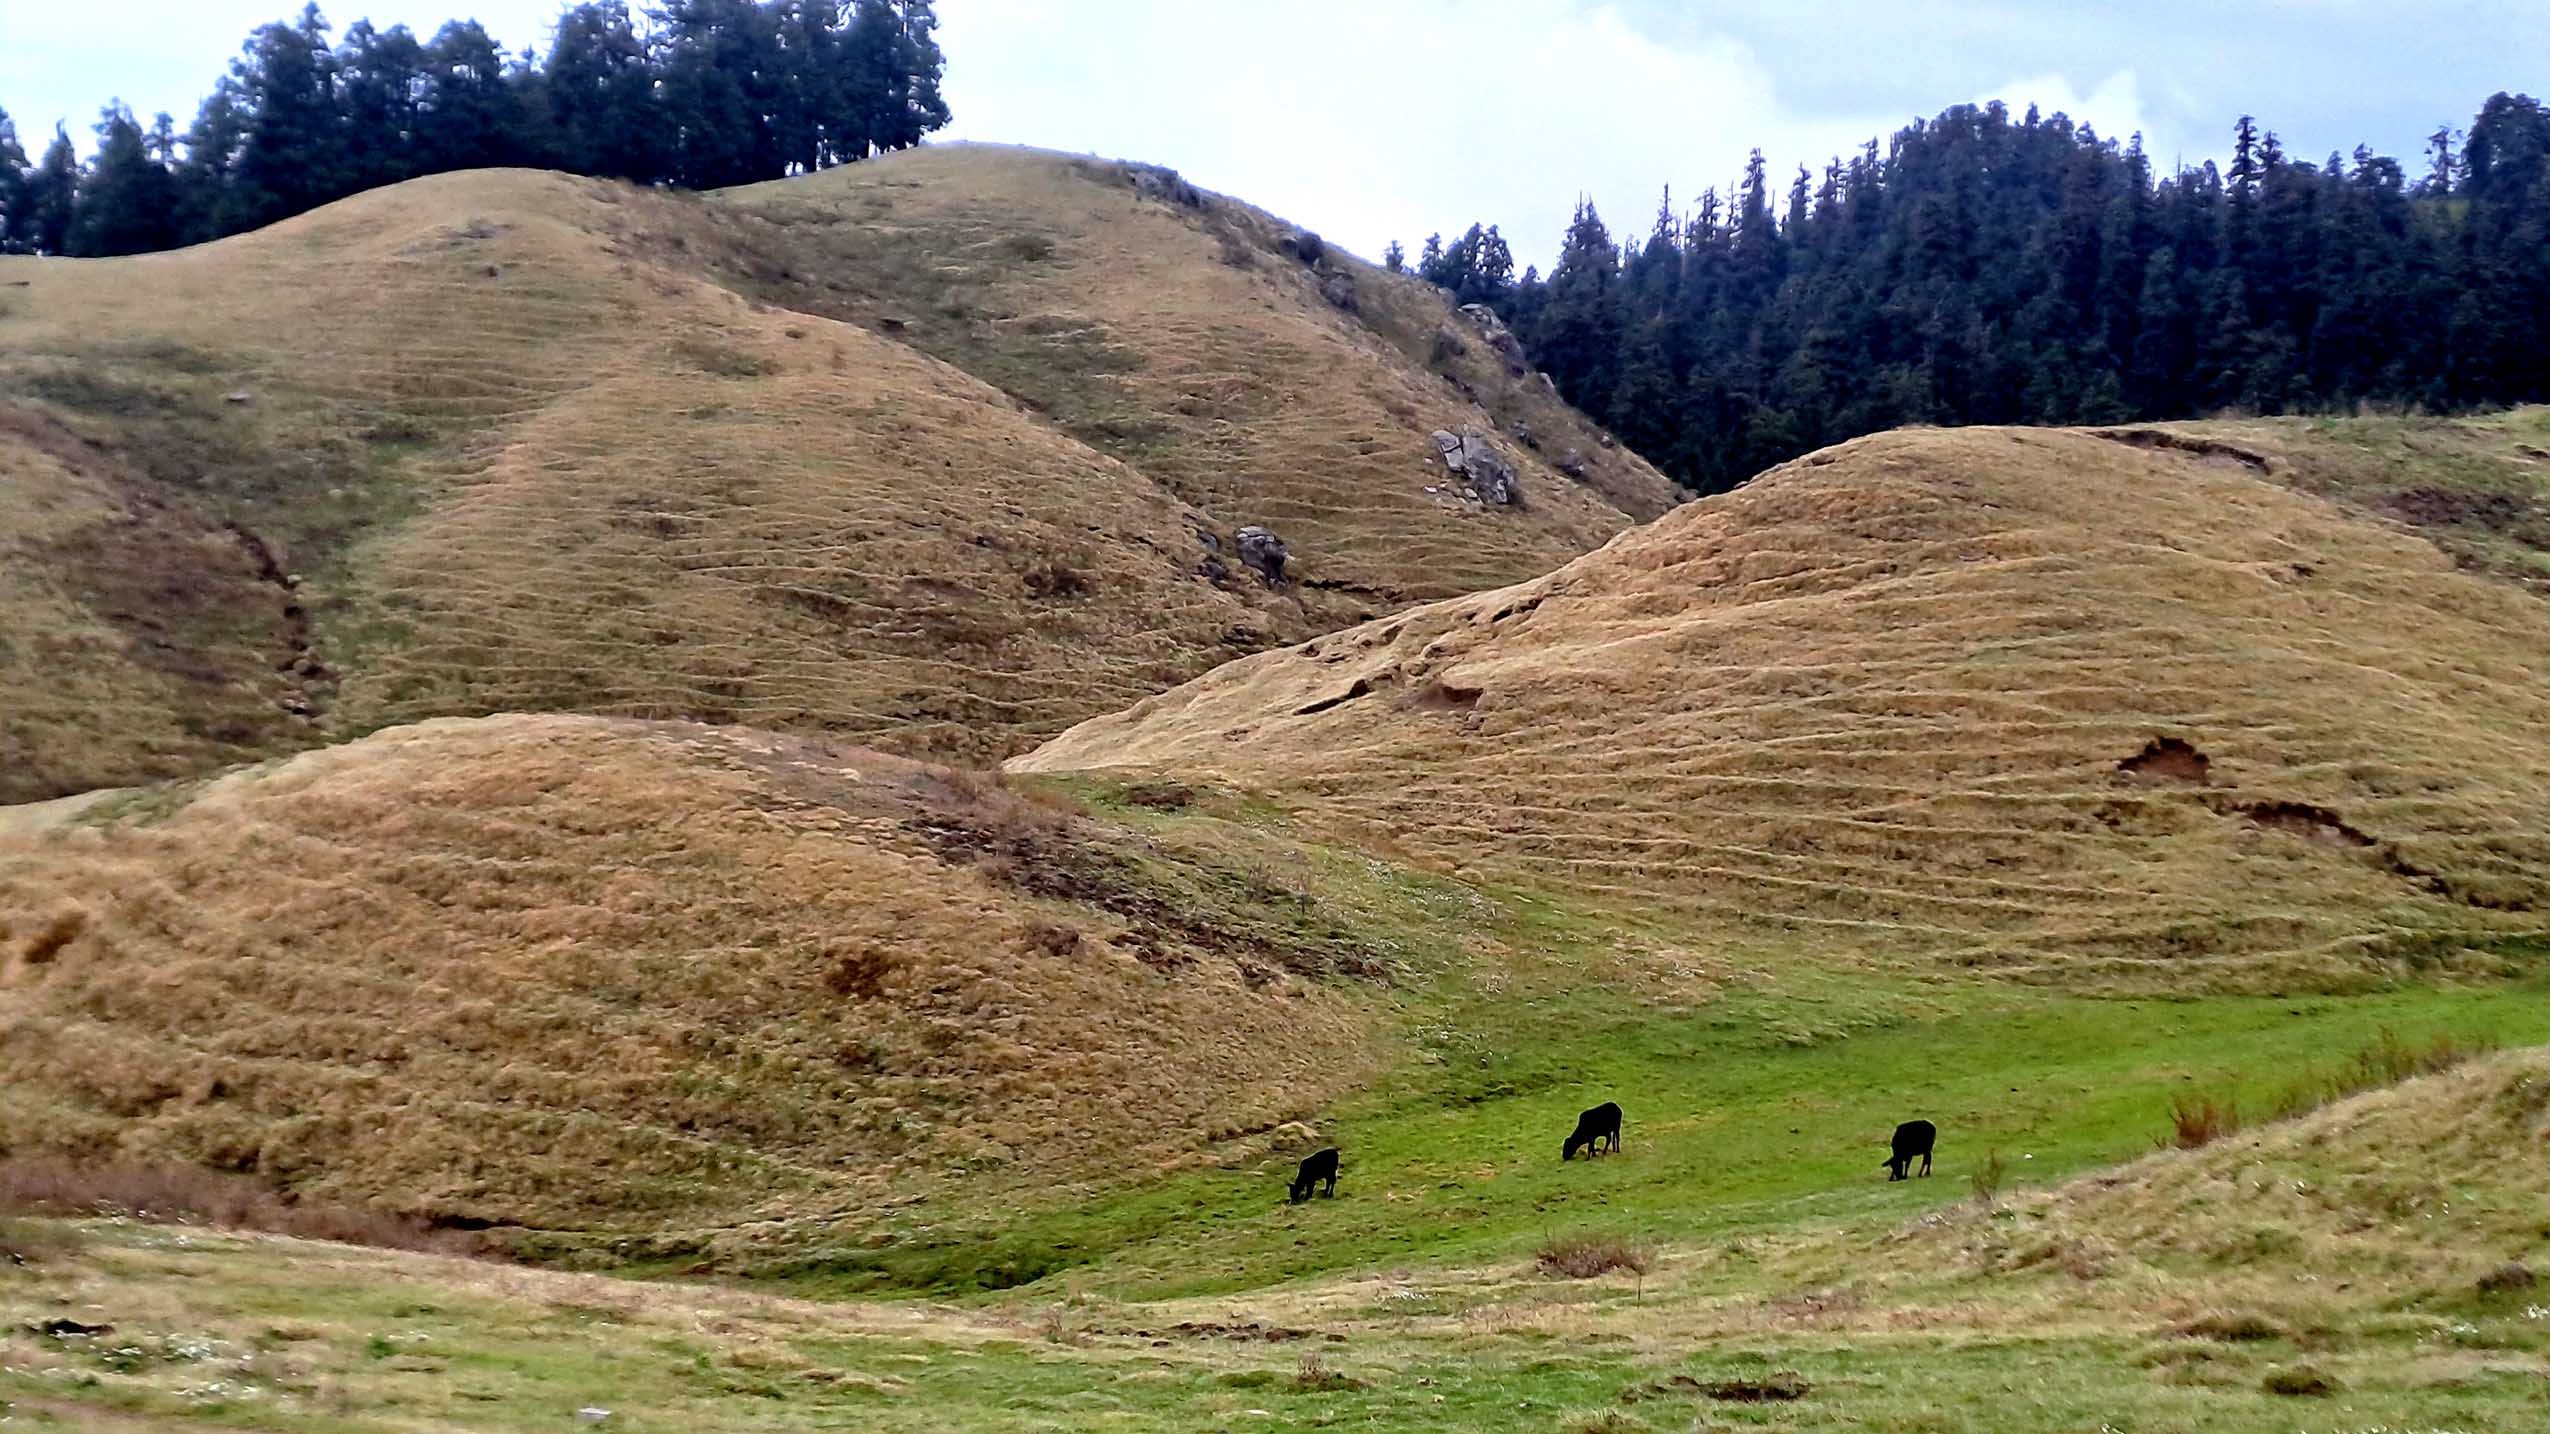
<point x="2232" y="1327"/>
<point x="1777" y="1387"/>
<point x="1583" y="1256"/>
<point x="2197" y="1121"/>
<point x="2508" y="1278"/>
<point x="1312" y="1375"/>
<point x="1989" y="1175"/>
<point x="2299" y="1380"/>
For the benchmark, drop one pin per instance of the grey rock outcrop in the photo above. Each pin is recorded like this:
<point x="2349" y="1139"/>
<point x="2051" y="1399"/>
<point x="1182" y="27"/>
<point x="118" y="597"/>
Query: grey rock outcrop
<point x="1265" y="554"/>
<point x="1473" y="458"/>
<point x="1496" y="335"/>
<point x="1158" y="181"/>
<point x="1211" y="568"/>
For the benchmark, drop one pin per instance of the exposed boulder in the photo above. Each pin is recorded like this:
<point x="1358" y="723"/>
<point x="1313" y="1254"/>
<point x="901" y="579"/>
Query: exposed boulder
<point x="1158" y="181"/>
<point x="1339" y="289"/>
<point x="1447" y="446"/>
<point x="1265" y="554"/>
<point x="1492" y="475"/>
<point x="1497" y="336"/>
<point x="1303" y="245"/>
<point x="1523" y="435"/>
<point x="1447" y="343"/>
<point x="1571" y="463"/>
<point x="1211" y="568"/>
<point x="1472" y="457"/>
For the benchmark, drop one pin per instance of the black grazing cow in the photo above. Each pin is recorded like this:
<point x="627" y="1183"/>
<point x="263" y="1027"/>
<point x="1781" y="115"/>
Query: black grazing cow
<point x="1913" y="1137"/>
<point x="1592" y="1129"/>
<point x="1319" y="1165"/>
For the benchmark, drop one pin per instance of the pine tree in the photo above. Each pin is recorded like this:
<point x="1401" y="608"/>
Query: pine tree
<point x="16" y="223"/>
<point x="53" y="197"/>
<point x="381" y="80"/>
<point x="601" y="95"/>
<point x="720" y="79"/>
<point x="292" y="154"/>
<point x="1578" y="328"/>
<point x="1394" y="258"/>
<point x="2442" y="169"/>
<point x="210" y="199"/>
<point x="470" y="116"/>
<point x="127" y="200"/>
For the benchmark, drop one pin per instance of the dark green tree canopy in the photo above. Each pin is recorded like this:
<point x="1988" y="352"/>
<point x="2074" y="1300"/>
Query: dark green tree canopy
<point x="1985" y="269"/>
<point x="694" y="92"/>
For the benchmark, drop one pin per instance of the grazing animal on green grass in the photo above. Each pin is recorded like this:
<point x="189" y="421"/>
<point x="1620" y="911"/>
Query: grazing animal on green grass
<point x="1593" y="1128"/>
<point x="1320" y="1165"/>
<point x="1913" y="1137"/>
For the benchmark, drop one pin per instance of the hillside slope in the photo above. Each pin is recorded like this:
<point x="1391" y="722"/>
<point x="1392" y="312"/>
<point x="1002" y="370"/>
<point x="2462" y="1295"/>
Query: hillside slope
<point x="579" y="974"/>
<point x="513" y="441"/>
<point x="1256" y="372"/>
<point x="2074" y="706"/>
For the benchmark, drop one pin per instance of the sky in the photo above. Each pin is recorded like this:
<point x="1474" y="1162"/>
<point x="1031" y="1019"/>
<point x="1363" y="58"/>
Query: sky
<point x="1370" y="120"/>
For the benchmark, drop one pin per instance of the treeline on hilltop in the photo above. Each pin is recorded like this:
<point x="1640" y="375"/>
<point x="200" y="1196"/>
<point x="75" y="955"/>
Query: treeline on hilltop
<point x="1986" y="270"/>
<point x="712" y="93"/>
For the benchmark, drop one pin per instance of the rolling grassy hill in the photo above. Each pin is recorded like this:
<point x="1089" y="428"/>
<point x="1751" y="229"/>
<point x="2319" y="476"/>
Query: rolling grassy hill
<point x="575" y="974"/>
<point x="522" y="619"/>
<point x="2136" y="711"/>
<point x="509" y="441"/>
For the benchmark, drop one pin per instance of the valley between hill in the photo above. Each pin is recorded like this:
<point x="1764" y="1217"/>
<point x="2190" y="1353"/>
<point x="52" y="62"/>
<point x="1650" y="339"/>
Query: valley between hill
<point x="507" y="774"/>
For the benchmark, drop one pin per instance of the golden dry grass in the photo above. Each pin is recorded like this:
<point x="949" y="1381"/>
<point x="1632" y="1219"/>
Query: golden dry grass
<point x="1187" y="340"/>
<point x="582" y="974"/>
<point x="1887" y="694"/>
<point x="2422" y="1190"/>
<point x="538" y="443"/>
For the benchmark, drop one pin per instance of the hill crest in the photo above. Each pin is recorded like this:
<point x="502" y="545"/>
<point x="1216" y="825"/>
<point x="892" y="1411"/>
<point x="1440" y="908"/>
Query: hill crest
<point x="507" y="440"/>
<point x="1901" y="692"/>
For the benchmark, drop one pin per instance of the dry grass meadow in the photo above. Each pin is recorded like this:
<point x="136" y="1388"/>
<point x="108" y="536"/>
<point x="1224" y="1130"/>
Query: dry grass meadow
<point x="649" y="979"/>
<point x="488" y="678"/>
<point x="2057" y="705"/>
<point x="816" y="457"/>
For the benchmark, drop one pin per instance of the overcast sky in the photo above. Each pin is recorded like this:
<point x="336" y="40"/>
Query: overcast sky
<point x="1374" y="119"/>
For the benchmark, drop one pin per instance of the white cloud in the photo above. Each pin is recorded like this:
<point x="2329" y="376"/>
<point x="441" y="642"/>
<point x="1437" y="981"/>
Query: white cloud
<point x="1392" y="121"/>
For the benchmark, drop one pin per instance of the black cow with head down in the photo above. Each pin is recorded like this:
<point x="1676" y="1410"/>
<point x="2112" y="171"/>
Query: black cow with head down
<point x="1318" y="1166"/>
<point x="1593" y="1128"/>
<point x="1913" y="1137"/>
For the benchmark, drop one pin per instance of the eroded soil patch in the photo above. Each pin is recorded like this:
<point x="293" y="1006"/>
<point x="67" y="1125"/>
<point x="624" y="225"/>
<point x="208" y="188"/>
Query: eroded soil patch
<point x="2206" y="449"/>
<point x="2167" y="759"/>
<point x="2302" y="819"/>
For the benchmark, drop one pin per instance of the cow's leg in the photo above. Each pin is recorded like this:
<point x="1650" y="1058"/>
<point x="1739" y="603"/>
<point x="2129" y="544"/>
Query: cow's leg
<point x="1331" y="1192"/>
<point x="1925" y="1162"/>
